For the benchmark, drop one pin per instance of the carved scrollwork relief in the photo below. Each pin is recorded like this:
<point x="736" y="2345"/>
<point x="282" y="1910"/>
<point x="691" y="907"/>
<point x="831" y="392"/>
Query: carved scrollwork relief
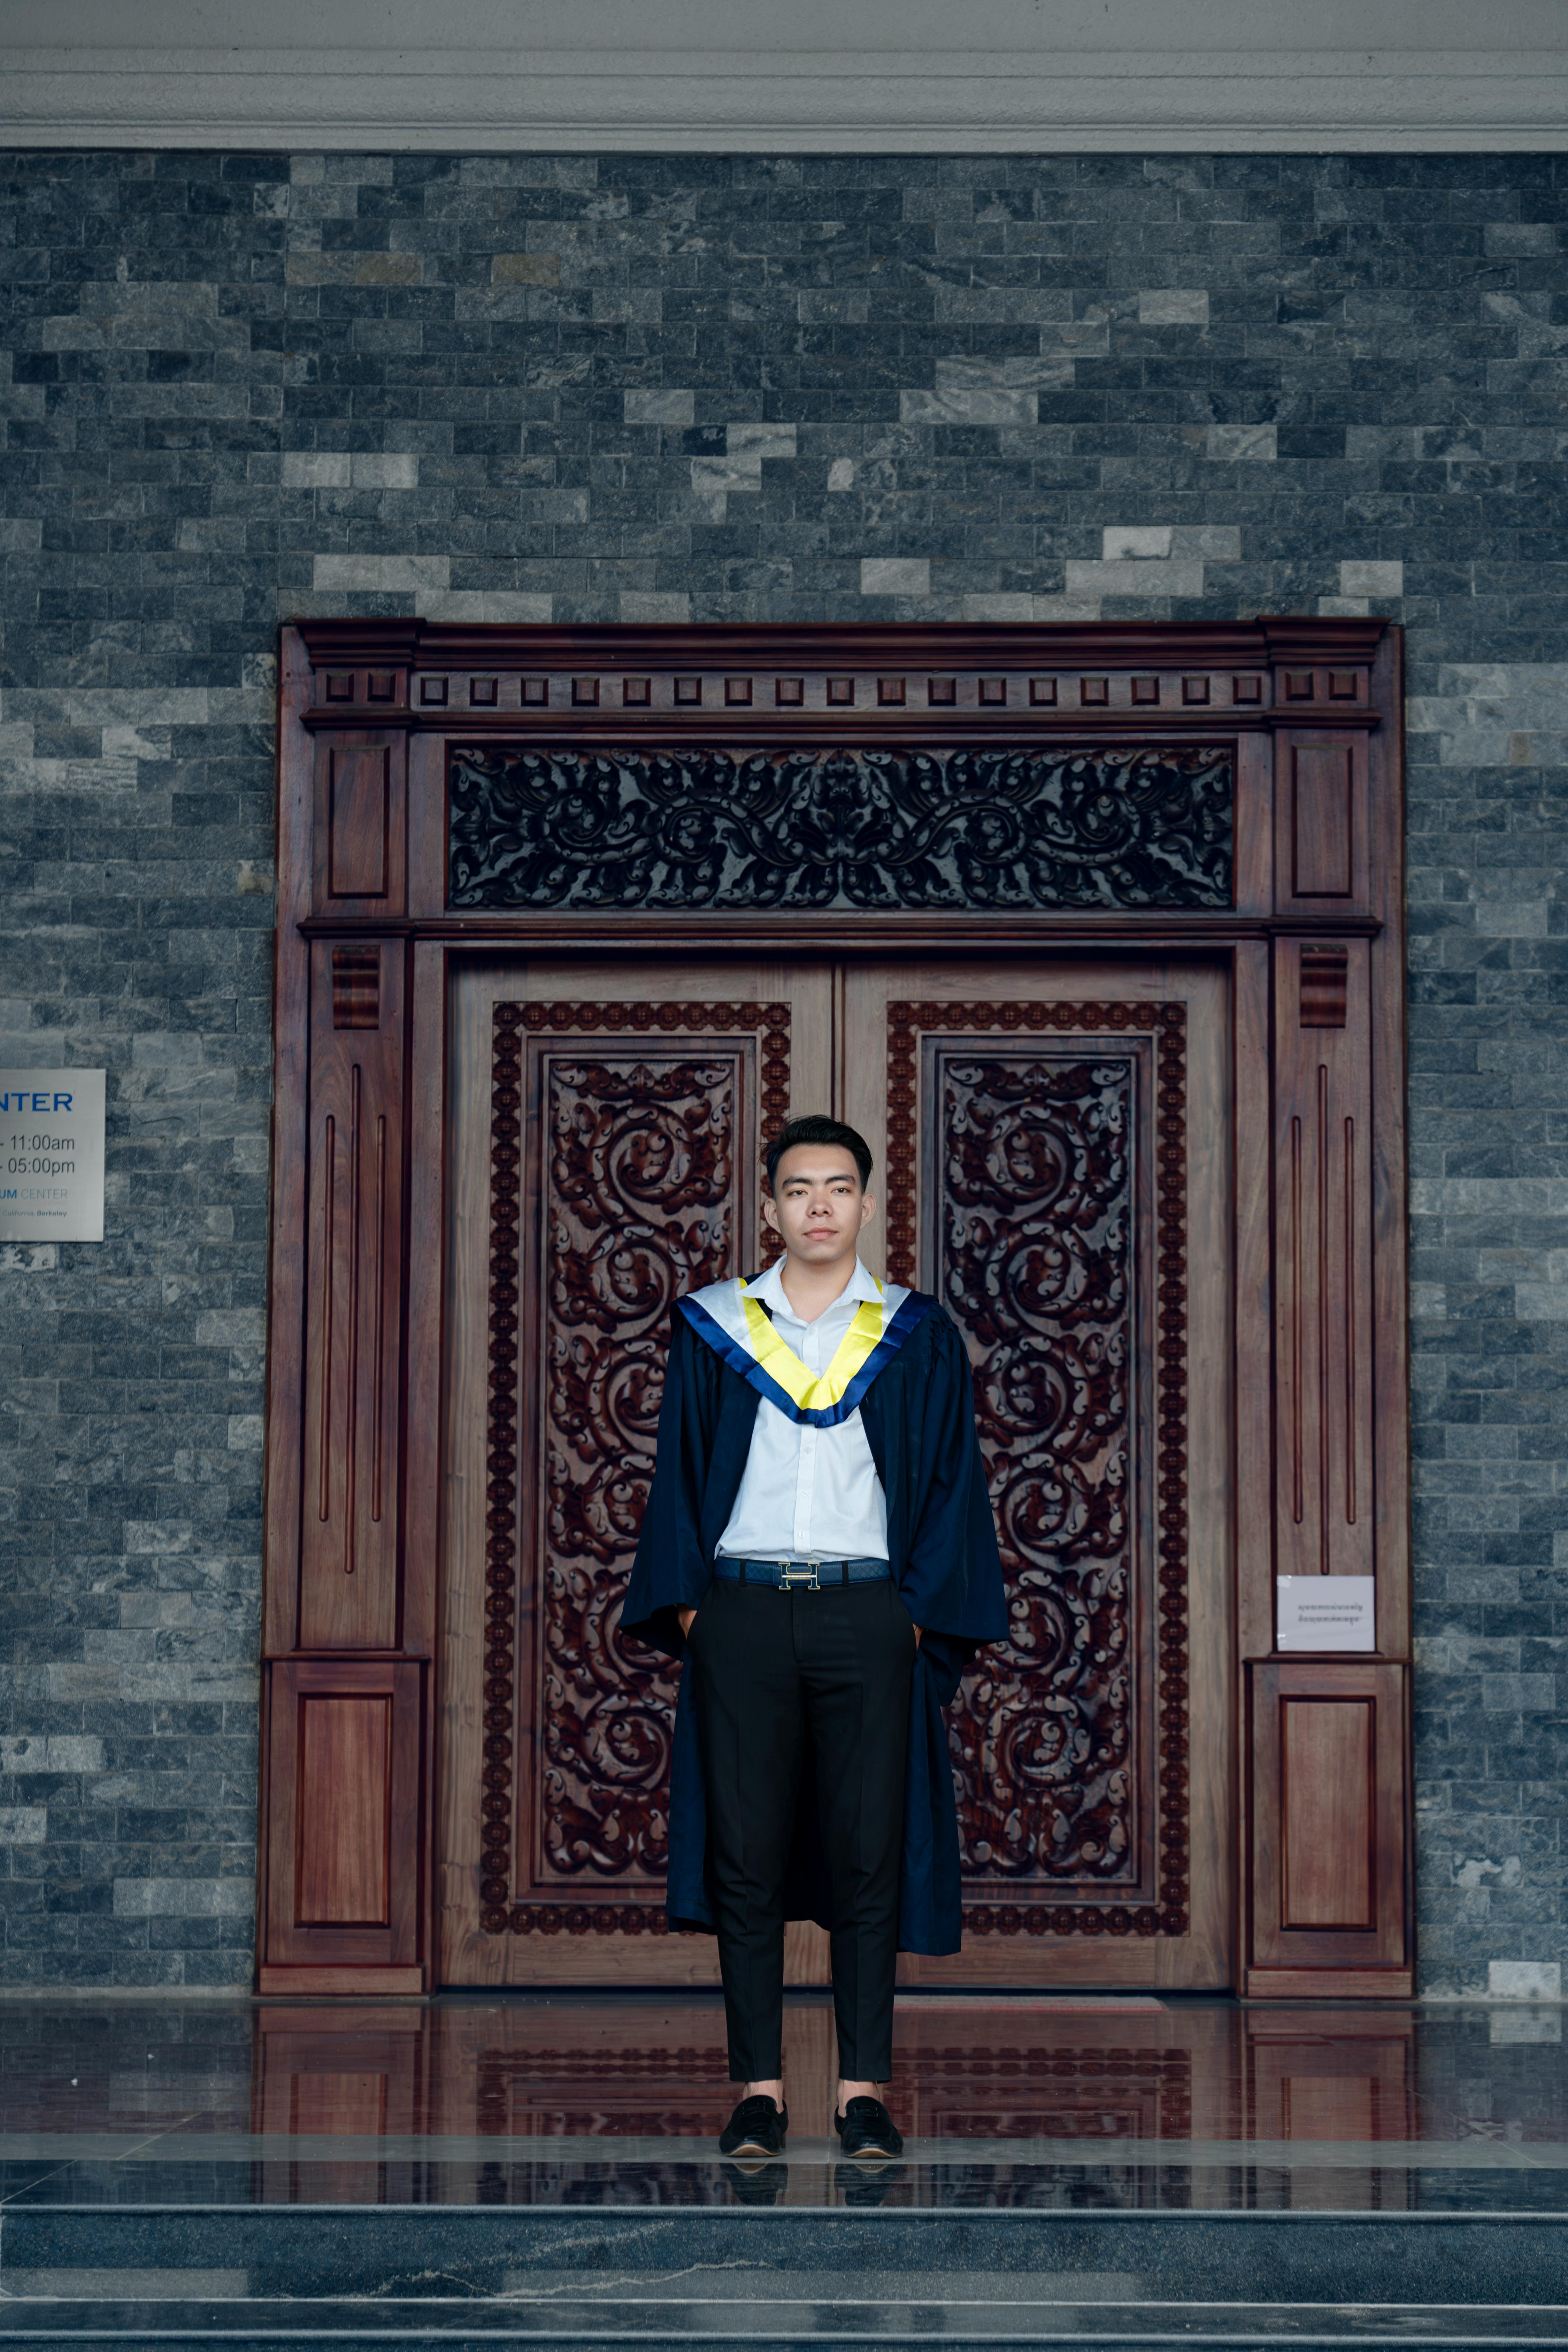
<point x="867" y="829"/>
<point x="1037" y="1260"/>
<point x="640" y="1190"/>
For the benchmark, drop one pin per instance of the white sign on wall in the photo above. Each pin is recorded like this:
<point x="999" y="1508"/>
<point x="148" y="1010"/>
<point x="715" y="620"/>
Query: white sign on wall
<point x="51" y="1155"/>
<point x="1327" y="1612"/>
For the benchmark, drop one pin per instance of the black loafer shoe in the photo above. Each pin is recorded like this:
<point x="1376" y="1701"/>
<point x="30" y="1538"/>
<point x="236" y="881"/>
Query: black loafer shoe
<point x="866" y="2128"/>
<point x="757" y="2128"/>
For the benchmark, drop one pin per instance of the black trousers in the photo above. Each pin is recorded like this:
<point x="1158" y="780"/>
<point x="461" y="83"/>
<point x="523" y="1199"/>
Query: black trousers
<point x="779" y="1676"/>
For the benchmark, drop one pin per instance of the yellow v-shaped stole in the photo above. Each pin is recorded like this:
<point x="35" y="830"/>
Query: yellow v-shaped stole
<point x="736" y="1327"/>
<point x="813" y="1392"/>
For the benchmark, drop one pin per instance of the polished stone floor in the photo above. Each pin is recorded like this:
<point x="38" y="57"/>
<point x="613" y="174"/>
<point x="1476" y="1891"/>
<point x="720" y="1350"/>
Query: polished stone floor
<point x="561" y="2099"/>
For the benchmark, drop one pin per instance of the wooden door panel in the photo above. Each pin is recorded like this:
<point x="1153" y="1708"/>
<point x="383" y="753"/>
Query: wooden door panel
<point x="345" y="1868"/>
<point x="360" y="826"/>
<point x="344" y="1742"/>
<point x="1038" y="1231"/>
<point x="1326" y="1769"/>
<point x="606" y="1159"/>
<point x="638" y="1185"/>
<point x="1329" y="1860"/>
<point x="1323" y="1340"/>
<point x="1055" y="1146"/>
<point x="348" y="1597"/>
<point x="1321" y="835"/>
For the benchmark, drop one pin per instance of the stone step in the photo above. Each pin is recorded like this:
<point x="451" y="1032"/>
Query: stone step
<point x="250" y="2279"/>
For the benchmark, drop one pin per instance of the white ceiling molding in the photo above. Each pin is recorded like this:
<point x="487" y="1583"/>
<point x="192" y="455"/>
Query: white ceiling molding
<point x="790" y="75"/>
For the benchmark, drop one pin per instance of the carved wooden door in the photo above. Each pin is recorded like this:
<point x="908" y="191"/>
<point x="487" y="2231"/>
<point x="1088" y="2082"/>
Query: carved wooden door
<point x="1031" y="1129"/>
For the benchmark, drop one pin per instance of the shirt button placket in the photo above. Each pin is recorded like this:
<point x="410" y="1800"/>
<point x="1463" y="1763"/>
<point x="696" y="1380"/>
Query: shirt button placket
<point x="806" y="1474"/>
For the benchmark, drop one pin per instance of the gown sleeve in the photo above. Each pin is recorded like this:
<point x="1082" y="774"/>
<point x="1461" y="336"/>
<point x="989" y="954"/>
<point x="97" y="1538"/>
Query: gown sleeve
<point x="952" y="1580"/>
<point x="671" y="1569"/>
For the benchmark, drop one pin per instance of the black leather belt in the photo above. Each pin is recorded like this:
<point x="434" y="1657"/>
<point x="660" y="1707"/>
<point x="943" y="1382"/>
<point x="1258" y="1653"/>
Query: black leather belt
<point x="802" y="1575"/>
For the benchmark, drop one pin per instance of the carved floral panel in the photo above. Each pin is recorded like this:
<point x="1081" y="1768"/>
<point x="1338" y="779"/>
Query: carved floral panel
<point x="1036" y="1256"/>
<point x="869" y="829"/>
<point x="642" y="1137"/>
<point x="640" y="1206"/>
<point x="1053" y="1199"/>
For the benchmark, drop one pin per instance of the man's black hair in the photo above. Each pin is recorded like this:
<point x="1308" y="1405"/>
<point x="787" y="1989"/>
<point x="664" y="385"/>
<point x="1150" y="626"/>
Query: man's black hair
<point x="815" y="1128"/>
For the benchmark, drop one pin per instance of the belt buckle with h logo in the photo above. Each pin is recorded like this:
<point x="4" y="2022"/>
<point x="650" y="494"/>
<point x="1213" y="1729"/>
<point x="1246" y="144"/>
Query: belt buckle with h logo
<point x="800" y="1574"/>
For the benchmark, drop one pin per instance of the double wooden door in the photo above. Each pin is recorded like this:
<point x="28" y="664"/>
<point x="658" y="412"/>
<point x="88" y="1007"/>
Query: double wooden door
<point x="1053" y="1145"/>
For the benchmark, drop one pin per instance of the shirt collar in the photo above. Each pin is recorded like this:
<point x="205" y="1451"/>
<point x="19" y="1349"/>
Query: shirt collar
<point x="769" y="1289"/>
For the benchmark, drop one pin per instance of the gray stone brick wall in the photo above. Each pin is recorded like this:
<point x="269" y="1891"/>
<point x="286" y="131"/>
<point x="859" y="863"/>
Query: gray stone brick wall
<point x="238" y="388"/>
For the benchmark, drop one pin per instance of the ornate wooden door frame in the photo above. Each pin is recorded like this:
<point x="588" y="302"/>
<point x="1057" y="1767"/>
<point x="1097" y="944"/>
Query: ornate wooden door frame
<point x="943" y="764"/>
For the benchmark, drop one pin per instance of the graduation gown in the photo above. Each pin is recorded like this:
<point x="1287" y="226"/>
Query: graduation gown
<point x="918" y="1418"/>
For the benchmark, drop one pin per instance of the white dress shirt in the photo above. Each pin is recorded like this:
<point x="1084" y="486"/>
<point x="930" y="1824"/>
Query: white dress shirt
<point x="808" y="1494"/>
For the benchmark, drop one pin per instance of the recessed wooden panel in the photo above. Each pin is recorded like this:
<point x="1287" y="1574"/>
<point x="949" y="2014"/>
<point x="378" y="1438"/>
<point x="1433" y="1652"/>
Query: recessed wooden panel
<point x="1327" y="1803"/>
<point x="1327" y="1832"/>
<point x="351" y="1436"/>
<point x="1323" y="864"/>
<point x="358" y="789"/>
<point x="1325" y="1458"/>
<point x="345" y="1816"/>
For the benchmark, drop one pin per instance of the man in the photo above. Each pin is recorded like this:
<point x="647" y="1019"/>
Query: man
<point x="818" y="1543"/>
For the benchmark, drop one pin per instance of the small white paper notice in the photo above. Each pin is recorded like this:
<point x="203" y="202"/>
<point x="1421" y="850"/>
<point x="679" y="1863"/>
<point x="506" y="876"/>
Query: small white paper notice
<point x="1327" y="1612"/>
<point x="51" y="1155"/>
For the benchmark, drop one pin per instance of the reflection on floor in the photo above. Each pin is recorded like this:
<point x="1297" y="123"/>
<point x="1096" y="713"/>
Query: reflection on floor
<point x="575" y="2099"/>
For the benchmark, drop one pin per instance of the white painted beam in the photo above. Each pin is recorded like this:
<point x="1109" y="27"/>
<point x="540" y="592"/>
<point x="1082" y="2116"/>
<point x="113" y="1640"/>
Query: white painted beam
<point x="789" y="76"/>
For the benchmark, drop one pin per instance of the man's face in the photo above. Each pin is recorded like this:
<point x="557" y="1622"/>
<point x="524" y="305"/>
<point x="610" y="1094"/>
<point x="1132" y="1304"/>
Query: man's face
<point x="818" y="1204"/>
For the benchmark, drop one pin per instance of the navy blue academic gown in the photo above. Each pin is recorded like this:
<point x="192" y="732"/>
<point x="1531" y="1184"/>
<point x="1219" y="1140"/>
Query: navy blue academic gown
<point x="918" y="1418"/>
